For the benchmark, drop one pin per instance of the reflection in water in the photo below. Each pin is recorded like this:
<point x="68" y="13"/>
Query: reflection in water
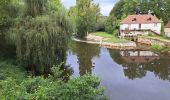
<point x="138" y="57"/>
<point x="126" y="75"/>
<point x="85" y="53"/>
<point x="136" y="63"/>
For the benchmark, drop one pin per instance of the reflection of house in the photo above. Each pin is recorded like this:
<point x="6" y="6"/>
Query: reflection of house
<point x="134" y="25"/>
<point x="167" y="29"/>
<point x="139" y="56"/>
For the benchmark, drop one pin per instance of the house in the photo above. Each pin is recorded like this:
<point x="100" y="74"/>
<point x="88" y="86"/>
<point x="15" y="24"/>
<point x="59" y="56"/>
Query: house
<point x="134" y="25"/>
<point x="167" y="29"/>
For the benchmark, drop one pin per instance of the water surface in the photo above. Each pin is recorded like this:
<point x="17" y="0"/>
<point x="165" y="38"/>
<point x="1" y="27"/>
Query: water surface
<point x="126" y="75"/>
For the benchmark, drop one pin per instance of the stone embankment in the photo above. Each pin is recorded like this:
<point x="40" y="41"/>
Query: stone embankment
<point x="128" y="45"/>
<point x="149" y="41"/>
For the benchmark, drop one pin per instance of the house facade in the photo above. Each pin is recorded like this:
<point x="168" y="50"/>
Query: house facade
<point x="167" y="29"/>
<point x="134" y="25"/>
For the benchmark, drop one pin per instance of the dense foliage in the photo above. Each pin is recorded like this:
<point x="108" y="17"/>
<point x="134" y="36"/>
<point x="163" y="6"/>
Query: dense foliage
<point x="122" y="8"/>
<point x="36" y="33"/>
<point x="40" y="34"/>
<point x="41" y="41"/>
<point x="160" y="8"/>
<point x="87" y="16"/>
<point x="13" y="86"/>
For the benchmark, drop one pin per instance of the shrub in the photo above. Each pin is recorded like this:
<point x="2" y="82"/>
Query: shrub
<point x="150" y="34"/>
<point x="51" y="88"/>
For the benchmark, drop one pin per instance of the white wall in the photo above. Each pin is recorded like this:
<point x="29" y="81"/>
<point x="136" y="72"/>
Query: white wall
<point x="156" y="27"/>
<point x="129" y="26"/>
<point x="134" y="26"/>
<point x="124" y="26"/>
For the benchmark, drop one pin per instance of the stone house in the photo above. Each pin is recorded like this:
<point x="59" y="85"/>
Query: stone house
<point x="167" y="29"/>
<point x="134" y="25"/>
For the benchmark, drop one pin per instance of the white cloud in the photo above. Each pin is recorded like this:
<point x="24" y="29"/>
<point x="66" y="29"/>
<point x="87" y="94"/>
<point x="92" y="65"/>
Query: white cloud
<point x="106" y="8"/>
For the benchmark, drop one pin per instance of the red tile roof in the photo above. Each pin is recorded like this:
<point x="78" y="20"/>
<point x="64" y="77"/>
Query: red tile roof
<point x="167" y="25"/>
<point x="140" y="19"/>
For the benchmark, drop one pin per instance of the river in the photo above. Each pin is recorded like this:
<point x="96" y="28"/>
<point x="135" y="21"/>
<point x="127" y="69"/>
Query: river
<point x="125" y="75"/>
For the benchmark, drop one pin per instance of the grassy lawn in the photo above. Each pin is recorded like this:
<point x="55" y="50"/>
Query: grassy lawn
<point x="157" y="37"/>
<point x="110" y="37"/>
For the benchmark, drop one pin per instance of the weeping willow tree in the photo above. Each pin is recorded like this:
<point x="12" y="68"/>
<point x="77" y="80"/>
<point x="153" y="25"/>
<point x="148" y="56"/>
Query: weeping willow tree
<point x="35" y="7"/>
<point x="41" y="40"/>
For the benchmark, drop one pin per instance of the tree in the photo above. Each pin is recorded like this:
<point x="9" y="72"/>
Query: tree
<point x="87" y="15"/>
<point x="9" y="10"/>
<point x="100" y="25"/>
<point x="109" y="25"/>
<point x="41" y="39"/>
<point x="160" y="8"/>
<point x="72" y="13"/>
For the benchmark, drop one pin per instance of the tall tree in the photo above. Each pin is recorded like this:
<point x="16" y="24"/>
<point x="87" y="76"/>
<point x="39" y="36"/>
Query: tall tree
<point x="41" y="37"/>
<point x="87" y="15"/>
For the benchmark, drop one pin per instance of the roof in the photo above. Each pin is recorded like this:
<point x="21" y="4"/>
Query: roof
<point x="140" y="19"/>
<point x="167" y="25"/>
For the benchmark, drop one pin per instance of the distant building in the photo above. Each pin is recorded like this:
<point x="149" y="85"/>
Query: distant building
<point x="167" y="29"/>
<point x="134" y="25"/>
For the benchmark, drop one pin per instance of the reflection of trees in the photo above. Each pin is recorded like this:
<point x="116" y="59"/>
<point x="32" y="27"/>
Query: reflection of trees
<point x="160" y="67"/>
<point x="133" y="71"/>
<point x="116" y="56"/>
<point x="85" y="53"/>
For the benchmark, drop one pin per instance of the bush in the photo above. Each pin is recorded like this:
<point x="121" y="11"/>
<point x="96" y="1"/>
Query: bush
<point x="9" y="70"/>
<point x="150" y="34"/>
<point x="52" y="88"/>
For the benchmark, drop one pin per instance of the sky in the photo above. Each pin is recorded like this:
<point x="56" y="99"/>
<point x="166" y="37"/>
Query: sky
<point x="105" y="5"/>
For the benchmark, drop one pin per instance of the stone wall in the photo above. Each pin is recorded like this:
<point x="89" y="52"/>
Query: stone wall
<point x="153" y="41"/>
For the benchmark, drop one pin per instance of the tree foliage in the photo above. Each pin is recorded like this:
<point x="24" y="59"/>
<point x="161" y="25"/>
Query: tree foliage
<point x="41" y="41"/>
<point x="35" y="7"/>
<point x="87" y="15"/>
<point x="123" y="8"/>
<point x="160" y="8"/>
<point x="9" y="9"/>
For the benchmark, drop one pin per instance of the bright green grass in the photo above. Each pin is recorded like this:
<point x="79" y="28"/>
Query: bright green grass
<point x="110" y="37"/>
<point x="157" y="37"/>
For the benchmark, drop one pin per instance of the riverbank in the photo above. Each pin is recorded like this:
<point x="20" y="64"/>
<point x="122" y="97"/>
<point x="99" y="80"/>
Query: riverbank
<point x="129" y="45"/>
<point x="107" y="40"/>
<point x="157" y="43"/>
<point x="151" y="40"/>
